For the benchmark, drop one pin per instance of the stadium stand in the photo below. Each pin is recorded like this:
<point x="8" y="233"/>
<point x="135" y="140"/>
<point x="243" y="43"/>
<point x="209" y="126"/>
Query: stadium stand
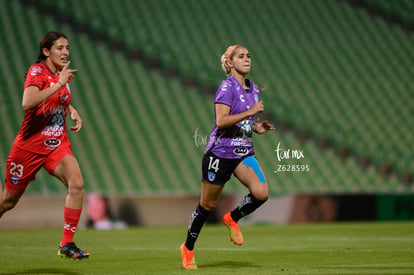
<point x="338" y="87"/>
<point x="394" y="12"/>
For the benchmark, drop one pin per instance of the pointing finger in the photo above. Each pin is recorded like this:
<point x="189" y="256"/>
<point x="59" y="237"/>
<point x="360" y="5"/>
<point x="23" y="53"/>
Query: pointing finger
<point x="66" y="65"/>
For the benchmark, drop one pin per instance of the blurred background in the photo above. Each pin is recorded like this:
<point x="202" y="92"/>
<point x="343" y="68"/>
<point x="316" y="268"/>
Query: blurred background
<point x="338" y="79"/>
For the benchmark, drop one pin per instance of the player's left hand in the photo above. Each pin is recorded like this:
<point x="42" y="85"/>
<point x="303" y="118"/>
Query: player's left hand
<point x="262" y="127"/>
<point x="75" y="117"/>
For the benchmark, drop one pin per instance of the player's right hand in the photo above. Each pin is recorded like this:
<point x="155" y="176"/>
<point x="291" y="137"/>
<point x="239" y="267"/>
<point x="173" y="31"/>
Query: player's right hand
<point x="258" y="107"/>
<point x="65" y="73"/>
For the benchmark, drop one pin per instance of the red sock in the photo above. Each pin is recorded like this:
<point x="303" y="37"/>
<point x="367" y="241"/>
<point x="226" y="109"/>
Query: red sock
<point x="71" y="217"/>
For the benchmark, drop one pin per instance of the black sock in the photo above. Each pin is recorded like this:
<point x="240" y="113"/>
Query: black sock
<point x="197" y="220"/>
<point x="247" y="205"/>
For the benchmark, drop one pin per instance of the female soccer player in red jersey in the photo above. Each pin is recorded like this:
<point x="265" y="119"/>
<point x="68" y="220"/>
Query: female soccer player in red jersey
<point x="230" y="151"/>
<point x="43" y="140"/>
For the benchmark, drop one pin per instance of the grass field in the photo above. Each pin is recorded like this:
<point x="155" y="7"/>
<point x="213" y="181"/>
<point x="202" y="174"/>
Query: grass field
<point x="340" y="248"/>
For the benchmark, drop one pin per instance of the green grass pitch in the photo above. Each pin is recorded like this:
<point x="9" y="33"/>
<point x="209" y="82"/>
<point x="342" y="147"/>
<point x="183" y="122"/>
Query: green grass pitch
<point x="338" y="248"/>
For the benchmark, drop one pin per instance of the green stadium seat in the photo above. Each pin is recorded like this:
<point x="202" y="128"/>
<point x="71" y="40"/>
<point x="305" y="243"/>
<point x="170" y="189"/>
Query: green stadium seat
<point x="335" y="71"/>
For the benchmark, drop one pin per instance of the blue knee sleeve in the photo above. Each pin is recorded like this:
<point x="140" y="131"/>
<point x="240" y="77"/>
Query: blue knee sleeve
<point x="252" y="162"/>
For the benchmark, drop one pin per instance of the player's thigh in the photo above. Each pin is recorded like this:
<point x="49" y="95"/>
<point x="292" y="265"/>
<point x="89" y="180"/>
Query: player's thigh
<point x="68" y="171"/>
<point x="251" y="175"/>
<point x="62" y="164"/>
<point x="21" y="169"/>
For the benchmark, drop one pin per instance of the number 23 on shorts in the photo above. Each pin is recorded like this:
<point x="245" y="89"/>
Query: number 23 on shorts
<point x="16" y="170"/>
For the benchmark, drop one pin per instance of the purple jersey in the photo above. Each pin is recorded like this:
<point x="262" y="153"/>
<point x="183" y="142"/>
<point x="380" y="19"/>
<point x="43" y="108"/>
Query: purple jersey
<point x="236" y="141"/>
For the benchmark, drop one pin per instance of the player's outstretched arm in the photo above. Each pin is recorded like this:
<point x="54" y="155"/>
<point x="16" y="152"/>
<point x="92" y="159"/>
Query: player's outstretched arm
<point x="75" y="117"/>
<point x="261" y="127"/>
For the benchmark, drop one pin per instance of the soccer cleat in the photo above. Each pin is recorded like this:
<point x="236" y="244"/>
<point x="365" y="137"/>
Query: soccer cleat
<point x="188" y="257"/>
<point x="235" y="234"/>
<point x="70" y="250"/>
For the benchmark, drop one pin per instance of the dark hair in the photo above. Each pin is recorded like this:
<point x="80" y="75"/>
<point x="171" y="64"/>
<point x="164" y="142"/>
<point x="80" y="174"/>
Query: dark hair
<point x="47" y="42"/>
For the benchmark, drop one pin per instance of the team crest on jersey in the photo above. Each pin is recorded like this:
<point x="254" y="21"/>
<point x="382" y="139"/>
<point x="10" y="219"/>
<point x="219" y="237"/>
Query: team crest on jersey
<point x="211" y="176"/>
<point x="63" y="98"/>
<point x="245" y="129"/>
<point x="256" y="98"/>
<point x="35" y="70"/>
<point x="15" y="179"/>
<point x="58" y="117"/>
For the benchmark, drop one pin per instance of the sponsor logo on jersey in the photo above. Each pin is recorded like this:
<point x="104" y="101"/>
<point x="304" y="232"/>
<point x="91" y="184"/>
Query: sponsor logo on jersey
<point x="56" y="125"/>
<point x="52" y="142"/>
<point x="225" y="85"/>
<point x="35" y="70"/>
<point x="241" y="151"/>
<point x="241" y="142"/>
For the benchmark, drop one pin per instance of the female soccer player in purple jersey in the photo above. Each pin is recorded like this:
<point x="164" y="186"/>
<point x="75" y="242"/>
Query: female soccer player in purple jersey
<point x="230" y="151"/>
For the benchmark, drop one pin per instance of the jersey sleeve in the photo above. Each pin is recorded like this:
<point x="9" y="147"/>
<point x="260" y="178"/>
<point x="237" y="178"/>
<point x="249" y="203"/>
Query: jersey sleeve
<point x="35" y="77"/>
<point x="224" y="94"/>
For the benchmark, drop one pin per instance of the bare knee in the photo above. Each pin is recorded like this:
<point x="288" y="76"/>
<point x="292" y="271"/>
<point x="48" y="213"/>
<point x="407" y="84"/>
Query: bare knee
<point x="76" y="187"/>
<point x="262" y="197"/>
<point x="261" y="194"/>
<point x="7" y="201"/>
<point x="7" y="205"/>
<point x="210" y="195"/>
<point x="208" y="205"/>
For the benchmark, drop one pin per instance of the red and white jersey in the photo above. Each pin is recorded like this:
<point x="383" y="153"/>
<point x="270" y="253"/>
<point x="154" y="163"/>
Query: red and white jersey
<point x="44" y="127"/>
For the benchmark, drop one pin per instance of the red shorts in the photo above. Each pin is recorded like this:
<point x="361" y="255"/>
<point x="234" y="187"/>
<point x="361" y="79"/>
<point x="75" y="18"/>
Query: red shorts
<point x="23" y="165"/>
